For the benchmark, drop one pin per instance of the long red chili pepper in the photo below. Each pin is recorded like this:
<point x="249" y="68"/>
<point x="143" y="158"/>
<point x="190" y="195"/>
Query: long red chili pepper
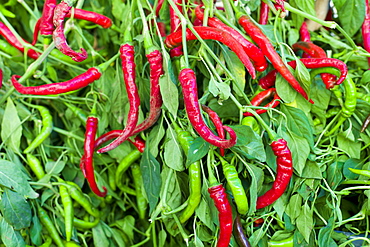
<point x="316" y="52"/>
<point x="138" y="142"/>
<point x="12" y="39"/>
<point x="218" y="124"/>
<point x="225" y="215"/>
<point x="128" y="68"/>
<point x="212" y="33"/>
<point x="189" y="89"/>
<point x="283" y="174"/>
<point x="304" y="34"/>
<point x="1" y="78"/>
<point x="60" y="12"/>
<point x="156" y="70"/>
<point x="264" y="14"/>
<point x="90" y="16"/>
<point x="250" y="49"/>
<point x="175" y="21"/>
<point x="365" y="29"/>
<point x="87" y="159"/>
<point x="78" y="82"/>
<point x="267" y="48"/>
<point x="311" y="63"/>
<point x="45" y="24"/>
<point x="259" y="98"/>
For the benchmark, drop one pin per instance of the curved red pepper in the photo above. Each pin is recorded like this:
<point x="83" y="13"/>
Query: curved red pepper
<point x="138" y="142"/>
<point x="78" y="82"/>
<point x="304" y="34"/>
<point x="225" y="215"/>
<point x="259" y="98"/>
<point x="284" y="172"/>
<point x="90" y="16"/>
<point x="264" y="14"/>
<point x="217" y="122"/>
<point x="189" y="89"/>
<point x="365" y="29"/>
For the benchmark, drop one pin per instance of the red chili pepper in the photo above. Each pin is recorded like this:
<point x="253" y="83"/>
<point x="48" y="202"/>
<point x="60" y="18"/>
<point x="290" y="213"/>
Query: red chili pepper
<point x="280" y="5"/>
<point x="217" y="122"/>
<point x="90" y="16"/>
<point x="365" y="29"/>
<point x="138" y="142"/>
<point x="128" y="68"/>
<point x="366" y="123"/>
<point x="60" y="12"/>
<point x="87" y="162"/>
<point x="267" y="48"/>
<point x="12" y="39"/>
<point x="264" y="14"/>
<point x="311" y="63"/>
<point x="78" y="82"/>
<point x="304" y="34"/>
<point x="225" y="215"/>
<point x="316" y="52"/>
<point x="46" y="20"/>
<point x="159" y="6"/>
<point x="189" y="90"/>
<point x="259" y="98"/>
<point x="212" y="33"/>
<point x="283" y="174"/>
<point x="250" y="49"/>
<point x="175" y="21"/>
<point x="1" y="78"/>
<point x="177" y="51"/>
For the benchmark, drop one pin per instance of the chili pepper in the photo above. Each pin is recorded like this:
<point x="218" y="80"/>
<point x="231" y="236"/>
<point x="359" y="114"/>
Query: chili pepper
<point x="218" y="124"/>
<point x="225" y="216"/>
<point x="252" y="122"/>
<point x="9" y="49"/>
<point x="46" y="20"/>
<point x="259" y="98"/>
<point x="60" y="12"/>
<point x="237" y="190"/>
<point x="128" y="68"/>
<point x="365" y="173"/>
<point x="264" y="13"/>
<point x="279" y="5"/>
<point x="124" y="164"/>
<point x="47" y="242"/>
<point x="68" y="211"/>
<point x="142" y="203"/>
<point x="304" y="34"/>
<point x="283" y="174"/>
<point x="87" y="159"/>
<point x="189" y="90"/>
<point x="176" y="52"/>
<point x="288" y="242"/>
<point x="90" y="16"/>
<point x="349" y="105"/>
<point x="194" y="170"/>
<point x="12" y="39"/>
<point x="138" y="142"/>
<point x="78" y="82"/>
<point x="47" y="128"/>
<point x="365" y="29"/>
<point x="111" y="179"/>
<point x="1" y="78"/>
<point x="49" y="225"/>
<point x="311" y="63"/>
<point x="159" y="6"/>
<point x="268" y="50"/>
<point x="363" y="96"/>
<point x="35" y="165"/>
<point x="316" y="52"/>
<point x="249" y="48"/>
<point x="212" y="33"/>
<point x="366" y="123"/>
<point x="81" y="114"/>
<point x="239" y="235"/>
<point x="175" y="21"/>
<point x="85" y="225"/>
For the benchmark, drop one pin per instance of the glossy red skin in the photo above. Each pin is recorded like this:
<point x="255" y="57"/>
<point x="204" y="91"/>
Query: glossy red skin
<point x="218" y="124"/>
<point x="259" y="98"/>
<point x="264" y="14"/>
<point x="46" y="20"/>
<point x="365" y="29"/>
<point x="189" y="89"/>
<point x="78" y="82"/>
<point x="268" y="49"/>
<point x="225" y="215"/>
<point x="138" y="143"/>
<point x="311" y="63"/>
<point x="175" y="21"/>
<point x="284" y="172"/>
<point x="12" y="39"/>
<point x="304" y="34"/>
<point x="211" y="33"/>
<point x="127" y="54"/>
<point x="87" y="163"/>
<point x="60" y="12"/>
<point x="93" y="17"/>
<point x="1" y="78"/>
<point x="250" y="49"/>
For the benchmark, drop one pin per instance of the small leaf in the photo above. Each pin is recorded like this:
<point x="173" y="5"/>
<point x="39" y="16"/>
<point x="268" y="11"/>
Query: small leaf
<point x="237" y="69"/>
<point x="9" y="237"/>
<point x="305" y="222"/>
<point x="284" y="89"/>
<point x="198" y="149"/>
<point x="172" y="151"/>
<point x="11" y="127"/>
<point x="352" y="15"/>
<point x="352" y="148"/>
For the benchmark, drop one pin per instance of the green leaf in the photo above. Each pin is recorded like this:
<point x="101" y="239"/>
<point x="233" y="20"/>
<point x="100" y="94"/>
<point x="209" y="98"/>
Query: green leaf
<point x="334" y="174"/>
<point x="151" y="172"/>
<point x="11" y="127"/>
<point x="257" y="175"/>
<point x="36" y="231"/>
<point x="197" y="150"/>
<point x="203" y="212"/>
<point x="293" y="209"/>
<point x="9" y="236"/>
<point x="312" y="170"/>
<point x="15" y="209"/>
<point x="303" y="76"/>
<point x="54" y="167"/>
<point x="173" y="193"/>
<point x="354" y="164"/>
<point x="236" y="68"/>
<point x="305" y="222"/>
<point x="13" y="178"/>
<point x="155" y="137"/>
<point x="324" y="238"/>
<point x="172" y="151"/>
<point x="352" y="148"/>
<point x="249" y="142"/>
<point x="117" y="236"/>
<point x="284" y="89"/>
<point x="339" y="3"/>
<point x="169" y="91"/>
<point x="99" y="236"/>
<point x="352" y="15"/>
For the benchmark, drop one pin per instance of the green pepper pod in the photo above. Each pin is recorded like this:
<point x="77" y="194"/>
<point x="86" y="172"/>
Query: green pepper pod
<point x="68" y="211"/>
<point x="49" y="225"/>
<point x="142" y="203"/>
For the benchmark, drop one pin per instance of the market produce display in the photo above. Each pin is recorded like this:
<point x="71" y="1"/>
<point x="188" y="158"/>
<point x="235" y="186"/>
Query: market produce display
<point x="184" y="123"/>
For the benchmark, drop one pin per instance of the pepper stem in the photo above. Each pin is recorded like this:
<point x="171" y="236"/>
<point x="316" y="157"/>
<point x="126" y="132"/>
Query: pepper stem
<point x="271" y="133"/>
<point x="148" y="43"/>
<point x="104" y="66"/>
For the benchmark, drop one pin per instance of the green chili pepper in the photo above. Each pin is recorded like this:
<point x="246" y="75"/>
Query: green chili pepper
<point x="252" y="122"/>
<point x="81" y="114"/>
<point x="47" y="242"/>
<point x="365" y="173"/>
<point x="142" y="203"/>
<point x="35" y="165"/>
<point x="124" y="165"/>
<point x="283" y="243"/>
<point x="47" y="128"/>
<point x="111" y="179"/>
<point x="185" y="140"/>
<point x="364" y="97"/>
<point x="85" y="225"/>
<point x="68" y="211"/>
<point x="49" y="225"/>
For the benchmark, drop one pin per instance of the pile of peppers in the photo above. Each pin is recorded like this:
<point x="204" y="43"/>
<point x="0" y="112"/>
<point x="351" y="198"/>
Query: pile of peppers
<point x="191" y="94"/>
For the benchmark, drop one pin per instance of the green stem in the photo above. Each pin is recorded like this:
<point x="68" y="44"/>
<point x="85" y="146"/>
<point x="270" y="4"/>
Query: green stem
<point x="29" y="10"/>
<point x="148" y="43"/>
<point x="69" y="134"/>
<point x="229" y="11"/>
<point x="104" y="66"/>
<point x="211" y="177"/>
